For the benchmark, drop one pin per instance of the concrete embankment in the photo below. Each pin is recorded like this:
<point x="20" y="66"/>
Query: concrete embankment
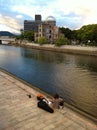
<point x="91" y="51"/>
<point x="19" y="112"/>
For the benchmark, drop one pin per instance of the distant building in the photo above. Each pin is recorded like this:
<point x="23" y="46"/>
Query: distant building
<point x="47" y="29"/>
<point x="32" y="25"/>
<point x="38" y="18"/>
<point x="41" y="28"/>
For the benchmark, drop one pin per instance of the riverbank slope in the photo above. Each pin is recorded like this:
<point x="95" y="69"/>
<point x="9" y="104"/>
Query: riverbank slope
<point x="72" y="49"/>
<point x="18" y="111"/>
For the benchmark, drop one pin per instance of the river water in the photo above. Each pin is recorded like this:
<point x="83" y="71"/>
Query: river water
<point x="74" y="77"/>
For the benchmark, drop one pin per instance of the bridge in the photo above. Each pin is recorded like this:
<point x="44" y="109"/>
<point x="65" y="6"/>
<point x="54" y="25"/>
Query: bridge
<point x="7" y="40"/>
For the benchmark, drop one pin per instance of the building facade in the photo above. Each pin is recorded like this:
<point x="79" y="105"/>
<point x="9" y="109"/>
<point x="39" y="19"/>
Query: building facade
<point x="48" y="29"/>
<point x="32" y="25"/>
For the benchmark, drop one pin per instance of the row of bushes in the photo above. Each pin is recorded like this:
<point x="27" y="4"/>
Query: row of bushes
<point x="62" y="40"/>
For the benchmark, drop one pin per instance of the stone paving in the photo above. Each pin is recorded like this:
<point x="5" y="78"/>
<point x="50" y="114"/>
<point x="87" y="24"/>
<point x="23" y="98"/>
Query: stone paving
<point x="19" y="112"/>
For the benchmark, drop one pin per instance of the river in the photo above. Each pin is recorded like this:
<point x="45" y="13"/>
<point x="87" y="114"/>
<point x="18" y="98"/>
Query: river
<point x="74" y="77"/>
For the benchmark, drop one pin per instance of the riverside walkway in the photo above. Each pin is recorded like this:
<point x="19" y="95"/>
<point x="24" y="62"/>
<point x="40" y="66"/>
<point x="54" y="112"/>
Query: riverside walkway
<point x="19" y="112"/>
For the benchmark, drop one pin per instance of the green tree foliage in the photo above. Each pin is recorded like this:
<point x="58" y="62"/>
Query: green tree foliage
<point x="95" y="34"/>
<point x="42" y="40"/>
<point x="21" y="36"/>
<point x="88" y="33"/>
<point x="85" y="35"/>
<point x="67" y="32"/>
<point x="73" y="35"/>
<point x="62" y="40"/>
<point x="29" y="35"/>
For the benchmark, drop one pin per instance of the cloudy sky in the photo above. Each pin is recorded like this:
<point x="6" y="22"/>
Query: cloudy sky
<point x="68" y="13"/>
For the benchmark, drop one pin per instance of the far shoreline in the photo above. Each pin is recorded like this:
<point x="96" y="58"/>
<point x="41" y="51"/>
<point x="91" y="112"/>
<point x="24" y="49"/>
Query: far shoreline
<point x="71" y="49"/>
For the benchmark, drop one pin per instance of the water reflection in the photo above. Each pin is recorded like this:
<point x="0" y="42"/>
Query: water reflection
<point x="45" y="56"/>
<point x="87" y="62"/>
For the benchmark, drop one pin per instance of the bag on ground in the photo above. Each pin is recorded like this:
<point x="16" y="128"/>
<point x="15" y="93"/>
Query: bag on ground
<point x="42" y="104"/>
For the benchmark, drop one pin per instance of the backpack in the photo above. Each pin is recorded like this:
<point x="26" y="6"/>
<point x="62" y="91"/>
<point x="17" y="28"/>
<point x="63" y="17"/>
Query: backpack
<point x="43" y="105"/>
<point x="40" y="97"/>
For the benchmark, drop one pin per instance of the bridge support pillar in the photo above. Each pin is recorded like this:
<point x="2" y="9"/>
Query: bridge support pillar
<point x="0" y="41"/>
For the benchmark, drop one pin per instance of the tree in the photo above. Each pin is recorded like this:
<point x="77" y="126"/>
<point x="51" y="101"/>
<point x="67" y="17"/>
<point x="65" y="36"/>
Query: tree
<point x="22" y="31"/>
<point x="29" y="35"/>
<point x="42" y="40"/>
<point x="62" y="40"/>
<point x="22" y="34"/>
<point x="67" y="32"/>
<point x="87" y="33"/>
<point x="94" y="35"/>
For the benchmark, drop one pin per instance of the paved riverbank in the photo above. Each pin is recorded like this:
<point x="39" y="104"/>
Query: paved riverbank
<point x="19" y="112"/>
<point x="73" y="49"/>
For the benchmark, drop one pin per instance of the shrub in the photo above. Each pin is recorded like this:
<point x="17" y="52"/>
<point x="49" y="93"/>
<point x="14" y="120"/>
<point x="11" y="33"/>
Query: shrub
<point x="42" y="40"/>
<point x="62" y="40"/>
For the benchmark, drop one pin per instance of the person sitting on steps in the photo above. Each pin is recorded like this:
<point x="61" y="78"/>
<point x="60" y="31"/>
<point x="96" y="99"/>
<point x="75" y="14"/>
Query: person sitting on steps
<point x="57" y="102"/>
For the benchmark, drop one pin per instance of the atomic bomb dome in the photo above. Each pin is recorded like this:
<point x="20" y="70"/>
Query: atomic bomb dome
<point x="50" y="20"/>
<point x="47" y="29"/>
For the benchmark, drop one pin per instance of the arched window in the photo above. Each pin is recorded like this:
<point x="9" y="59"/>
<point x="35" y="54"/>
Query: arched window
<point x="50" y="37"/>
<point x="50" y="31"/>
